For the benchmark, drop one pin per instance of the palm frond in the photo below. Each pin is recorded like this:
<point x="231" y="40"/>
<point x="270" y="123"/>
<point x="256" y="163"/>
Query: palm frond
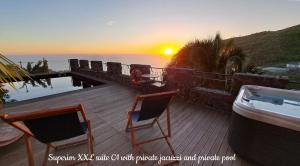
<point x="10" y="72"/>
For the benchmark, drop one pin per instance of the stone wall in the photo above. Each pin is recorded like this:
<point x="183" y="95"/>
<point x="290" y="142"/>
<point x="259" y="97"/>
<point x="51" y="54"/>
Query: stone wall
<point x="183" y="79"/>
<point x="240" y="79"/>
<point x="213" y="98"/>
<point x="179" y="78"/>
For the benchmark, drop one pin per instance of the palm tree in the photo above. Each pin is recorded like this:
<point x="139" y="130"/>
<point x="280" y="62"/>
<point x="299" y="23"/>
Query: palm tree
<point x="9" y="73"/>
<point x="37" y="82"/>
<point x="210" y="55"/>
<point x="40" y="67"/>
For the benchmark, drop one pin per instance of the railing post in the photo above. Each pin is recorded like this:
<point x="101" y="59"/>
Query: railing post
<point x="74" y="64"/>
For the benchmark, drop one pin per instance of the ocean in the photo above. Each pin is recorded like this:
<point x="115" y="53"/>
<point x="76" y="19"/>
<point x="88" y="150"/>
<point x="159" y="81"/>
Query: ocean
<point x="60" y="62"/>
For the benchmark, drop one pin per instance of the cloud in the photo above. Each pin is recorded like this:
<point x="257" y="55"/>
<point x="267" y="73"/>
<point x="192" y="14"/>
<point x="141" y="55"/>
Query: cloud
<point x="110" y="23"/>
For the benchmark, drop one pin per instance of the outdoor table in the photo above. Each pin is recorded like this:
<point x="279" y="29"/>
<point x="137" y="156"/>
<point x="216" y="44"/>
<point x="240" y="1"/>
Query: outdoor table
<point x="8" y="134"/>
<point x="150" y="76"/>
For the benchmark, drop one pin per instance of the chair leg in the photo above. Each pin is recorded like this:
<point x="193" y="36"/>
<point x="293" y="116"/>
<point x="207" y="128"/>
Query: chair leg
<point x="166" y="138"/>
<point x="29" y="151"/>
<point x="131" y="133"/>
<point x="90" y="139"/>
<point x="90" y="148"/>
<point x="128" y="123"/>
<point x="134" y="144"/>
<point x="169" y="122"/>
<point x="46" y="155"/>
<point x="169" y="144"/>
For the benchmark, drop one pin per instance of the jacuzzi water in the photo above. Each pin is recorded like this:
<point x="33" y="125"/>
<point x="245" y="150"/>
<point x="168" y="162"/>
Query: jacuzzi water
<point x="284" y="105"/>
<point x="270" y="105"/>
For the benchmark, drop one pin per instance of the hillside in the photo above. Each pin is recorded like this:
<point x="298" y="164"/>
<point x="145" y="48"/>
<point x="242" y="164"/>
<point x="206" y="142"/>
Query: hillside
<point x="271" y="47"/>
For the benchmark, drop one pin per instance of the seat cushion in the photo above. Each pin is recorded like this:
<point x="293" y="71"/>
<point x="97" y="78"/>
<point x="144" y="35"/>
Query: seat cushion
<point x="135" y="116"/>
<point x="84" y="126"/>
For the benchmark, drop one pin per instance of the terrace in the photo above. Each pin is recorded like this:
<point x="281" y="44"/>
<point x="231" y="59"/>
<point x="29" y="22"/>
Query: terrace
<point x="196" y="128"/>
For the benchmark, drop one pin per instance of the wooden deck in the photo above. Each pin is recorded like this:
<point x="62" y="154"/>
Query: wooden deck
<point x="195" y="129"/>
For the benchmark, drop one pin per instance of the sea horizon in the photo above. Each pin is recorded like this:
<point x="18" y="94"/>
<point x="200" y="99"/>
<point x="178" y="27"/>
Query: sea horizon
<point x="59" y="62"/>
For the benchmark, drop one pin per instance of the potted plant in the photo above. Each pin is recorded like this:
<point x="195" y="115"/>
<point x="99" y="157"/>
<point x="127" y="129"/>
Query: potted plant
<point x="9" y="73"/>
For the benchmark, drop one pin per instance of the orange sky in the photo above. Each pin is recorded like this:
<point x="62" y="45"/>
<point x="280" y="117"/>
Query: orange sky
<point x="157" y="48"/>
<point x="135" y="27"/>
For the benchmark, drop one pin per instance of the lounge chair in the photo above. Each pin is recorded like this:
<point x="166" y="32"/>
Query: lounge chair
<point x="52" y="125"/>
<point x="152" y="107"/>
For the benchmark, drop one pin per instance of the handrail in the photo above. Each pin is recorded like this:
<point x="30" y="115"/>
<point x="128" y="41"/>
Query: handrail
<point x="214" y="79"/>
<point x="293" y="85"/>
<point x="163" y="68"/>
<point x="215" y="73"/>
<point x="158" y="68"/>
<point x="203" y="74"/>
<point x="294" y="82"/>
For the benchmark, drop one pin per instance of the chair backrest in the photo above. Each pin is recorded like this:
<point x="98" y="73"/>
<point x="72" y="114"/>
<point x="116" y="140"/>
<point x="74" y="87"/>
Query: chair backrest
<point x="154" y="105"/>
<point x="55" y="128"/>
<point x="53" y="124"/>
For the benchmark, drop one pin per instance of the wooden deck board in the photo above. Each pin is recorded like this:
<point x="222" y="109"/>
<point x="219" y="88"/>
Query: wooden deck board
<point x="195" y="129"/>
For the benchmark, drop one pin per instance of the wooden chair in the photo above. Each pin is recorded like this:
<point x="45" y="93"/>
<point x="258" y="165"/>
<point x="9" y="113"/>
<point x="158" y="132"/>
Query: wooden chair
<point x="52" y="125"/>
<point x="152" y="106"/>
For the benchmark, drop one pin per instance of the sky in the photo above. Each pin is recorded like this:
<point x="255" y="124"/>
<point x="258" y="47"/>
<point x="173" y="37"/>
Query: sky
<point x="132" y="26"/>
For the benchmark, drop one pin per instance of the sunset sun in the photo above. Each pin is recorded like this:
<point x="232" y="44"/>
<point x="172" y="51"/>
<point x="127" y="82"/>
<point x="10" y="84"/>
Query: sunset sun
<point x="168" y="51"/>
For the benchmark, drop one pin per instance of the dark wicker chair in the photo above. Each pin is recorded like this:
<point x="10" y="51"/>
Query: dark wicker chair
<point x="139" y="83"/>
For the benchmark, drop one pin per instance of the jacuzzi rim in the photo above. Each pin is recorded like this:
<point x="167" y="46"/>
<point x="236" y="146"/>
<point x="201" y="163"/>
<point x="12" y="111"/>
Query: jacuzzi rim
<point x="280" y="120"/>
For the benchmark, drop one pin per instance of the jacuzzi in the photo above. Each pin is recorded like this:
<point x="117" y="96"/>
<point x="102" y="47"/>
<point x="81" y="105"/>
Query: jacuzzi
<point x="265" y="125"/>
